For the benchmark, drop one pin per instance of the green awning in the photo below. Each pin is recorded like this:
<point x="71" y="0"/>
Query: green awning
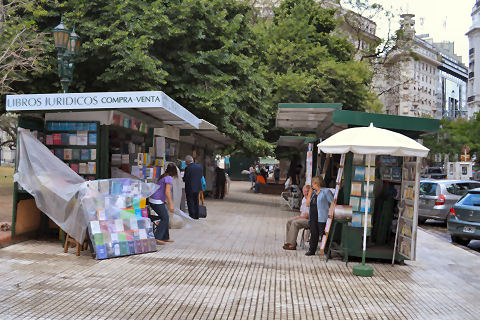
<point x="305" y="117"/>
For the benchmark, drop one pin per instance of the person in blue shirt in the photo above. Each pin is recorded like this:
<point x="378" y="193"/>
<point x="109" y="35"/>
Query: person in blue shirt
<point x="320" y="201"/>
<point x="193" y="185"/>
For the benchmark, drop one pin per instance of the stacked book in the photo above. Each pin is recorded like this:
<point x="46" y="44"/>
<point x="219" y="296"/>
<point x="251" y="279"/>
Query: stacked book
<point x="118" y="218"/>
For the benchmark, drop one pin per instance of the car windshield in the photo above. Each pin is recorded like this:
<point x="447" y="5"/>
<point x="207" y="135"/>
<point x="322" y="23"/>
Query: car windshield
<point x="471" y="199"/>
<point x="461" y="188"/>
<point x="428" y="189"/>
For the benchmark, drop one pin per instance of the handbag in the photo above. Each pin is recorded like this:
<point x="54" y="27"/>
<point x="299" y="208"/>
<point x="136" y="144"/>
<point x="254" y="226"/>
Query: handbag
<point x="202" y="209"/>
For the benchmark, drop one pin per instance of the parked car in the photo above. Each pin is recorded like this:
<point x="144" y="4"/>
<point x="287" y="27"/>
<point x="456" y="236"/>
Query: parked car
<point x="433" y="173"/>
<point x="463" y="222"/>
<point x="438" y="196"/>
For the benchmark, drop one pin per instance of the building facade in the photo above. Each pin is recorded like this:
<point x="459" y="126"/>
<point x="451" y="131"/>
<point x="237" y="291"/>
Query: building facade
<point x="473" y="88"/>
<point x="422" y="78"/>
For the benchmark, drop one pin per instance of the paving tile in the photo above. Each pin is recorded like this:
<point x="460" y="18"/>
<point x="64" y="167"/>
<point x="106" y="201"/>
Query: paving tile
<point x="231" y="266"/>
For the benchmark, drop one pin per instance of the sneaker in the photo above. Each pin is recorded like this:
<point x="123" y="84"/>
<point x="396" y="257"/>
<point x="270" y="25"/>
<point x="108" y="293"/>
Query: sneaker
<point x="310" y="253"/>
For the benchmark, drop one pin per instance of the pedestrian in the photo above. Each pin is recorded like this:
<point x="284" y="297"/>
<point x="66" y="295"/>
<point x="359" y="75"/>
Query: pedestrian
<point x="220" y="181"/>
<point x="320" y="201"/>
<point x="276" y="174"/>
<point x="252" y="171"/>
<point x="193" y="185"/>
<point x="159" y="200"/>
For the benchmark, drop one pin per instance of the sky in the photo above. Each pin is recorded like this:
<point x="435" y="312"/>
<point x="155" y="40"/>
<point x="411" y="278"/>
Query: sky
<point x="444" y="20"/>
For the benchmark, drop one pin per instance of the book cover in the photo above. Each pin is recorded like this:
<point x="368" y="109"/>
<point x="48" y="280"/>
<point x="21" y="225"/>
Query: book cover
<point x="355" y="203"/>
<point x="75" y="154"/>
<point x="104" y="187"/>
<point x="98" y="239"/>
<point x="359" y="173"/>
<point x="357" y="220"/>
<point x="364" y="204"/>
<point x="67" y="154"/>
<point x="82" y="168"/>
<point x="387" y="173"/>
<point x="65" y="139"/>
<point x="92" y="169"/>
<point x="92" y="126"/>
<point x="70" y="126"/>
<point x="396" y="173"/>
<point x="73" y="139"/>
<point x="138" y="246"/>
<point x="95" y="227"/>
<point x="74" y="167"/>
<point x="93" y="154"/>
<point x="124" y="248"/>
<point x="49" y="125"/>
<point x="146" y="245"/>
<point x="131" y="246"/>
<point x="59" y="153"/>
<point x="101" y="252"/>
<point x="371" y="188"/>
<point x="57" y="139"/>
<point x="62" y="126"/>
<point x="370" y="175"/>
<point x="116" y="249"/>
<point x="56" y="126"/>
<point x="92" y="138"/>
<point x="49" y="139"/>
<point x="84" y="154"/>
<point x="119" y="225"/>
<point x="140" y="223"/>
<point x="82" y="138"/>
<point x="356" y="189"/>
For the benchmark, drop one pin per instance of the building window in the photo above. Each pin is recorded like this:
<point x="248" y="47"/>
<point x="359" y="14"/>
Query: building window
<point x="471" y="51"/>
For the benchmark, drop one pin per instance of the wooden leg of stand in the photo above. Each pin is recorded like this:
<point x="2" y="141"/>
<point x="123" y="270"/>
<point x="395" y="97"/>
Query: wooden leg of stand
<point x="65" y="247"/>
<point x="79" y="247"/>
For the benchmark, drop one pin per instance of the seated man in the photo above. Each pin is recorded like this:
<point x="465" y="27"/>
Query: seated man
<point x="299" y="222"/>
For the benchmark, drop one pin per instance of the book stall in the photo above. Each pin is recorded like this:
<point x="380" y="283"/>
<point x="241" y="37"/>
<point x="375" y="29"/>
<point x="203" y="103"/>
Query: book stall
<point x="380" y="184"/>
<point x="110" y="137"/>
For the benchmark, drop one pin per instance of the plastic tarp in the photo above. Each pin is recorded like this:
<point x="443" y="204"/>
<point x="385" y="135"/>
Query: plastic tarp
<point x="59" y="192"/>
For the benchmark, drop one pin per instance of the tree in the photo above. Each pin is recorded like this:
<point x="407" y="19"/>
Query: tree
<point x="453" y="135"/>
<point x="8" y="125"/>
<point x="20" y="42"/>
<point x="200" y="52"/>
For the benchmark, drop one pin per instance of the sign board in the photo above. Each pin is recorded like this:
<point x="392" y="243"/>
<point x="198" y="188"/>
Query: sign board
<point x="100" y="100"/>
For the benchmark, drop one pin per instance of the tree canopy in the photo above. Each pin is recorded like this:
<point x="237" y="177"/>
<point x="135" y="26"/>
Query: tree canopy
<point x="212" y="56"/>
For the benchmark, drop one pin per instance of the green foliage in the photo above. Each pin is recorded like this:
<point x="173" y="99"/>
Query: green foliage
<point x="453" y="135"/>
<point x="211" y="56"/>
<point x="20" y="42"/>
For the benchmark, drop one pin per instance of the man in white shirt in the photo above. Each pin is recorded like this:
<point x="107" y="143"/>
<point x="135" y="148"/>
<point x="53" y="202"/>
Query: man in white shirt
<point x="299" y="222"/>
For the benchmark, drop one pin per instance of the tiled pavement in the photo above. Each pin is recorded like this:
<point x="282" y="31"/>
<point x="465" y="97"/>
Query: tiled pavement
<point x="232" y="267"/>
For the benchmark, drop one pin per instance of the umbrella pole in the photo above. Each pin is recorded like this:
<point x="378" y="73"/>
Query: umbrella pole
<point x="363" y="269"/>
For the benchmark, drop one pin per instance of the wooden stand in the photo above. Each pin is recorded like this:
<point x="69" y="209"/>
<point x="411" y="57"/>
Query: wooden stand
<point x="69" y="240"/>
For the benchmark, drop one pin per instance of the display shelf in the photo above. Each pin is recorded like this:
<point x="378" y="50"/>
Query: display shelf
<point x="71" y="146"/>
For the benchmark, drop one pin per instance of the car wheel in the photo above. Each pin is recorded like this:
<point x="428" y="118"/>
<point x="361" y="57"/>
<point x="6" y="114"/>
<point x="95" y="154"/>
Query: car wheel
<point x="461" y="241"/>
<point x="421" y="220"/>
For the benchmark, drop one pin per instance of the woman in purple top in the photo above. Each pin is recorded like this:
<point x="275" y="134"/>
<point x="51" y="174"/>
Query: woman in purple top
<point x="160" y="199"/>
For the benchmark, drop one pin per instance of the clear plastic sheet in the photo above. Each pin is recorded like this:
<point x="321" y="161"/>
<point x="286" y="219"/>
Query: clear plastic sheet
<point x="57" y="189"/>
<point x="72" y="202"/>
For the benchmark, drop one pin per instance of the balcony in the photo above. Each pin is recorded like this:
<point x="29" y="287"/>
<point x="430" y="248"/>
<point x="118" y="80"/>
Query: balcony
<point x="470" y="99"/>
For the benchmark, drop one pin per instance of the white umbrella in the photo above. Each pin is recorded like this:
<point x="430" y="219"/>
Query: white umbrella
<point x="372" y="141"/>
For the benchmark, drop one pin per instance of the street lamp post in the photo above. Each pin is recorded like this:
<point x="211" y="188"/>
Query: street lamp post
<point x="67" y="44"/>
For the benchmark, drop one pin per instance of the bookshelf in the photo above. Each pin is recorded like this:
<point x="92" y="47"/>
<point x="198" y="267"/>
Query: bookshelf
<point x="77" y="144"/>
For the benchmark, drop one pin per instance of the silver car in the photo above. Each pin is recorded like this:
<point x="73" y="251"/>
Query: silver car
<point x="437" y="197"/>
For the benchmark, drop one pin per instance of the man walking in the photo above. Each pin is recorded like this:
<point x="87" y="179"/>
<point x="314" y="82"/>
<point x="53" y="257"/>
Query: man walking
<point x="193" y="185"/>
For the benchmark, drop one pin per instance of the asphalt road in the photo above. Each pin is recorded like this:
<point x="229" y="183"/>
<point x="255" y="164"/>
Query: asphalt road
<point x="439" y="229"/>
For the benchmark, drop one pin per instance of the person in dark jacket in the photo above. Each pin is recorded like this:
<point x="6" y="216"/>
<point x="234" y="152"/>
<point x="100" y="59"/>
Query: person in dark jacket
<point x="220" y="180"/>
<point x="193" y="185"/>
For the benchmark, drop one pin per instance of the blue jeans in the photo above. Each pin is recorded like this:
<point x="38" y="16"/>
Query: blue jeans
<point x="161" y="233"/>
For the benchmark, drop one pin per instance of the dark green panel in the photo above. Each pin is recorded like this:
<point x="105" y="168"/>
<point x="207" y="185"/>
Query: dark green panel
<point x="337" y="106"/>
<point x="402" y="124"/>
